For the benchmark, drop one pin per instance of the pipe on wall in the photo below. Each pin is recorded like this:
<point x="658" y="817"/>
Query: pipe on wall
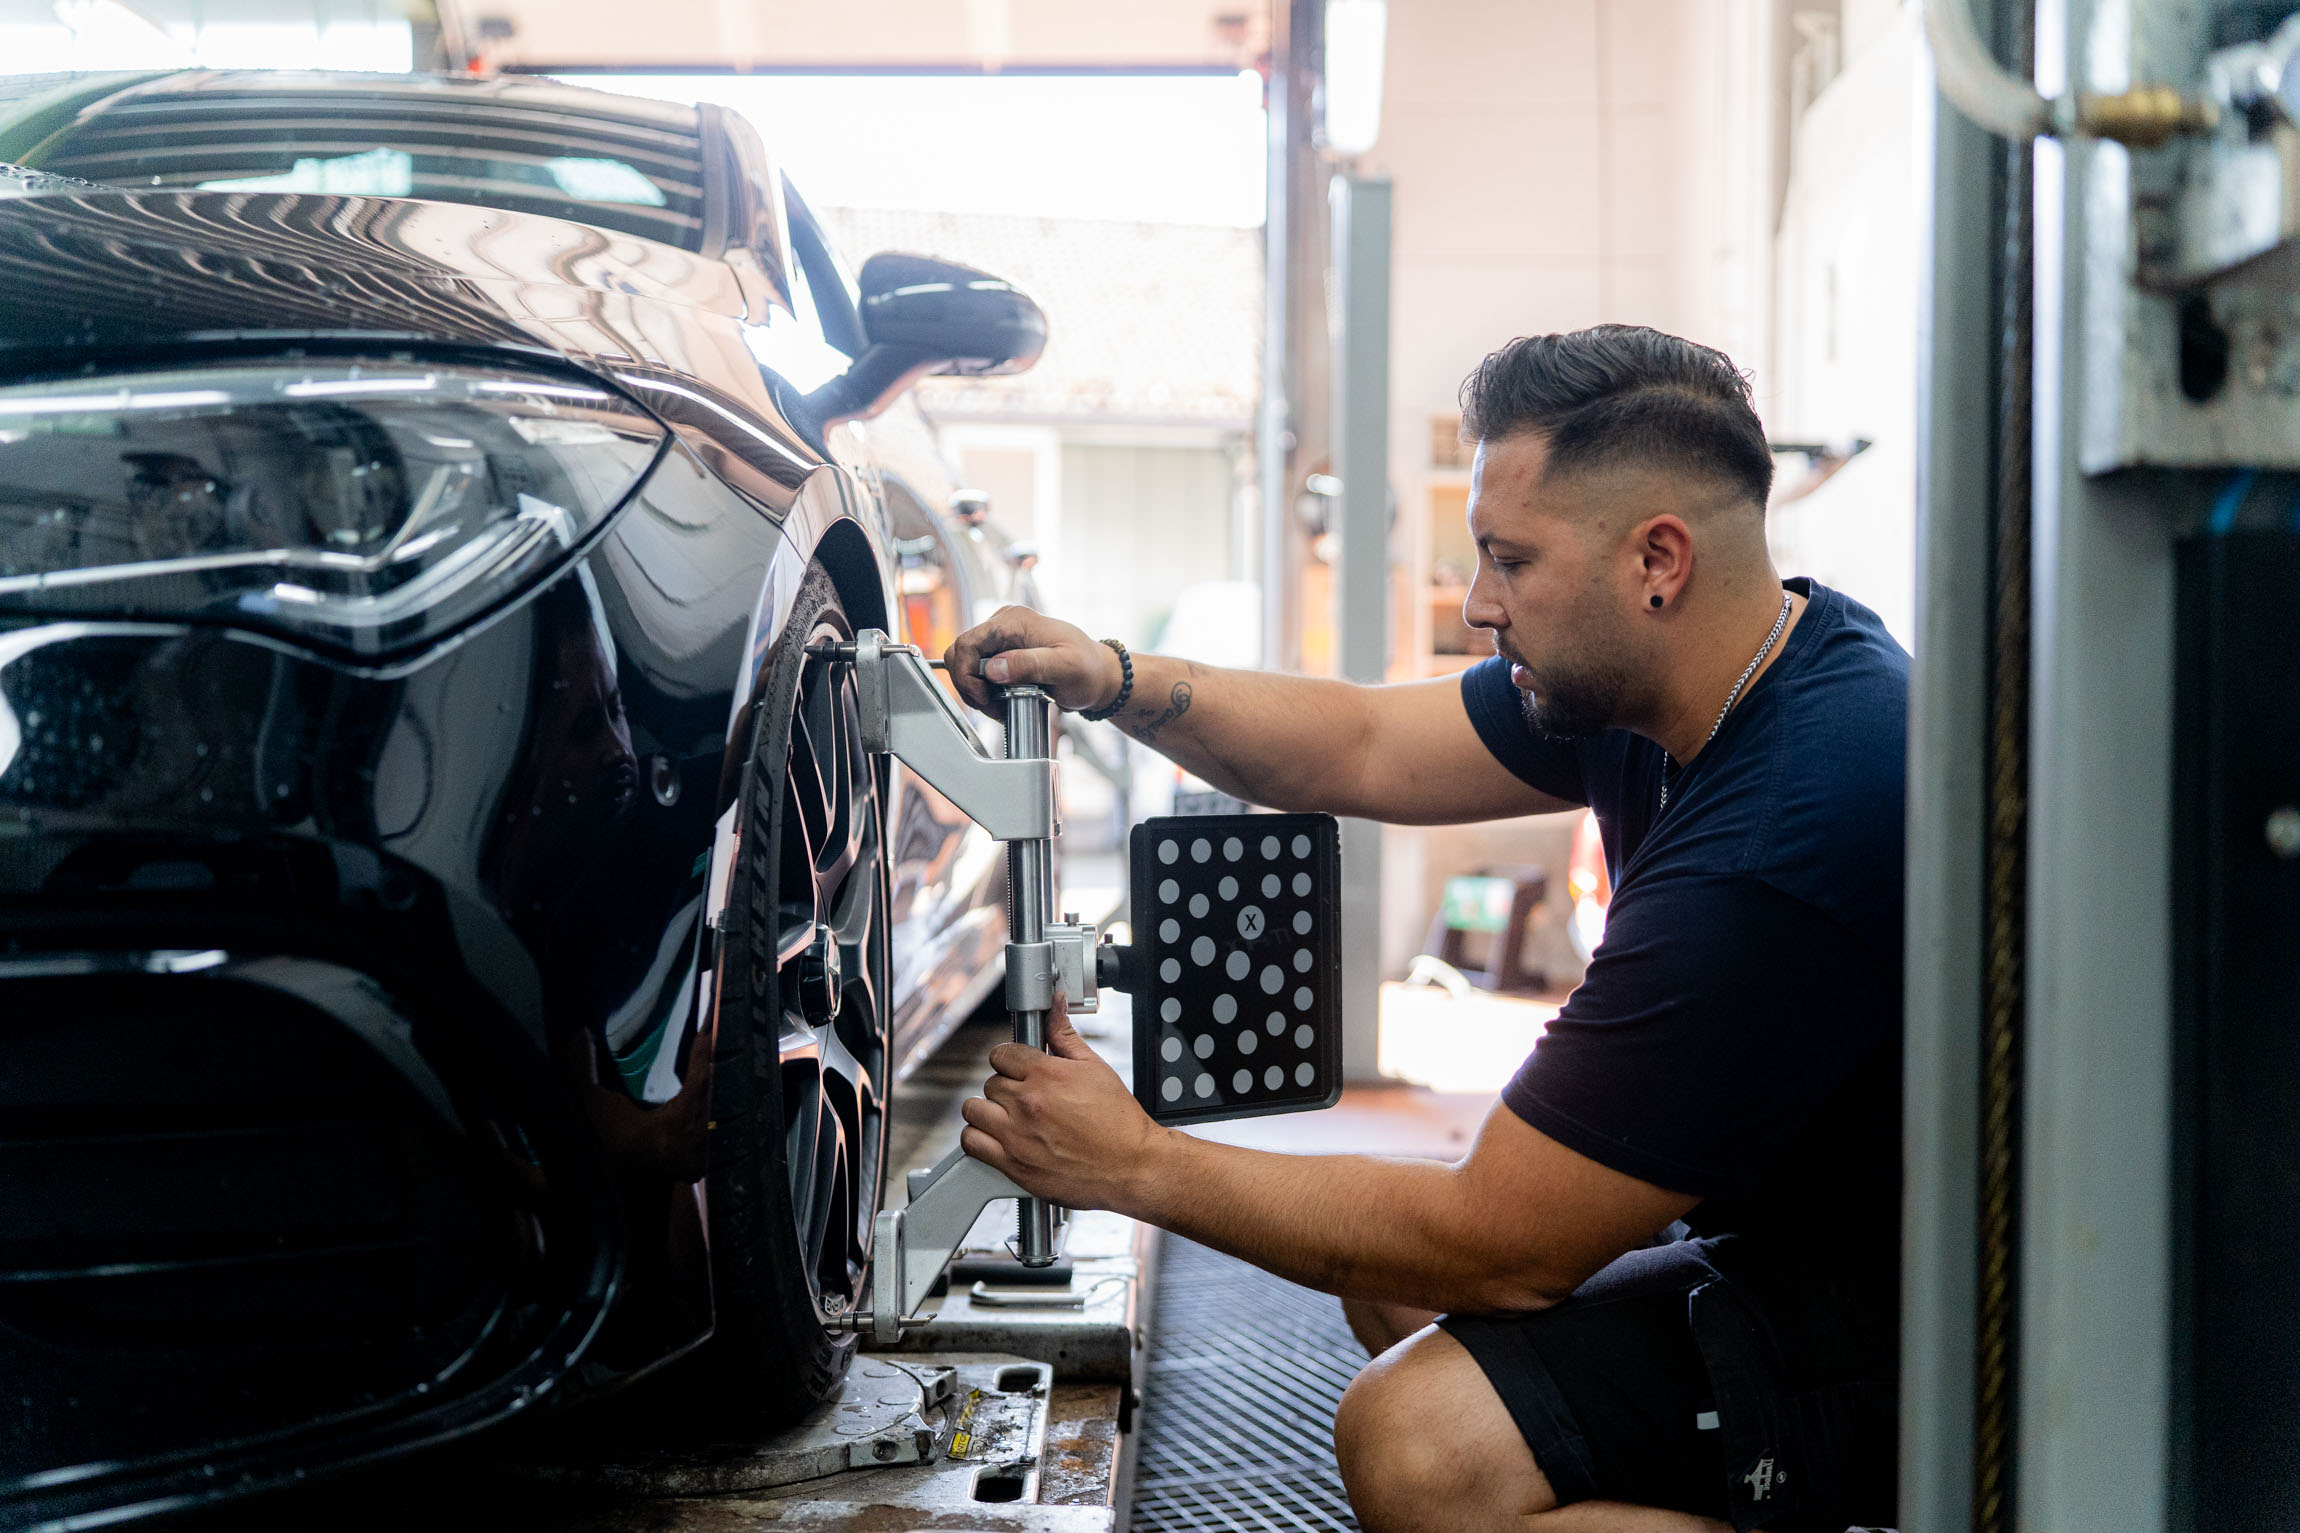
<point x="1988" y="94"/>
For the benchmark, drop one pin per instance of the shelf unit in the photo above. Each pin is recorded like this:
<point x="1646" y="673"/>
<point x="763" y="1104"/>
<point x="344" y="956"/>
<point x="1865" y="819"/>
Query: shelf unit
<point x="1432" y="638"/>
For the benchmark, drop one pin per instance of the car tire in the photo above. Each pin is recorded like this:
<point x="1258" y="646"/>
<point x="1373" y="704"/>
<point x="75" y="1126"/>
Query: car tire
<point x="801" y="1063"/>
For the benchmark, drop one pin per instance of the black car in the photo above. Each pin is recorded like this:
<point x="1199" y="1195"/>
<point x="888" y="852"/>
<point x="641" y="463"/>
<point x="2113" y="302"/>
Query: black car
<point x="454" y="952"/>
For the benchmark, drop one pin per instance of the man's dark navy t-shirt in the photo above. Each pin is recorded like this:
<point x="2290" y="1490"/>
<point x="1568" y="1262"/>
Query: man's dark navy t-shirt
<point x="1737" y="1036"/>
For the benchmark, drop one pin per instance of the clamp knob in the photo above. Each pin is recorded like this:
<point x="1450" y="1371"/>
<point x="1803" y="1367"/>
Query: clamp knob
<point x="1115" y="967"/>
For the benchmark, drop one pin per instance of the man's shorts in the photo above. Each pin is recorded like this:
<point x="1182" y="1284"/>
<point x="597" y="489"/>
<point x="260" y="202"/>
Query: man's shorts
<point x="1702" y="1377"/>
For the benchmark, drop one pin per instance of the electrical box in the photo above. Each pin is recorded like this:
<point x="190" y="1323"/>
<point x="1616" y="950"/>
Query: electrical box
<point x="2190" y="298"/>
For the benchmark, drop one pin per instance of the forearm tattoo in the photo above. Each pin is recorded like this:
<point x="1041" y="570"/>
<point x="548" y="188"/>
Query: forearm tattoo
<point x="1177" y="704"/>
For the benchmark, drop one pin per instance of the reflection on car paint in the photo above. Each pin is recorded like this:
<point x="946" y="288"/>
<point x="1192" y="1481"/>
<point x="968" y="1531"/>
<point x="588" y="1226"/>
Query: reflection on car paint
<point x="492" y="805"/>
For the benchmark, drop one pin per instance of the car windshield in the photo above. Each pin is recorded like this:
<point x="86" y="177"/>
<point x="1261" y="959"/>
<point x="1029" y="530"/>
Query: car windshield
<point x="394" y="173"/>
<point x="556" y="154"/>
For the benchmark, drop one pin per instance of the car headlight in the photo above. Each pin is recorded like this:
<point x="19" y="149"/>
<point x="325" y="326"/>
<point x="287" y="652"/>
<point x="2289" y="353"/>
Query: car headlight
<point x="362" y="506"/>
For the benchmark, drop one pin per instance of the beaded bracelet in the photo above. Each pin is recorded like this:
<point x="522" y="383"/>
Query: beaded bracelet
<point x="1125" y="685"/>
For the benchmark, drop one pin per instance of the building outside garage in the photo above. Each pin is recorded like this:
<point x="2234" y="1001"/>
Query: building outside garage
<point x="1130" y="447"/>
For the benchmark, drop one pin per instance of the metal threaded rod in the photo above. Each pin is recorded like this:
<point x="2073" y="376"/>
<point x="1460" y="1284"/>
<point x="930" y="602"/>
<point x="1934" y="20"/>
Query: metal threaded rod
<point x="1996" y="1424"/>
<point x="1030" y="886"/>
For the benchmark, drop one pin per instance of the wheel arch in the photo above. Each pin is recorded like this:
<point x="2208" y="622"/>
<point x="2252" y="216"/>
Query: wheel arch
<point x="845" y="552"/>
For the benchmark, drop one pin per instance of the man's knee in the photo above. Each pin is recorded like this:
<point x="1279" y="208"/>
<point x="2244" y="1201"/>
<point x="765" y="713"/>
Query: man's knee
<point x="1423" y="1443"/>
<point x="1391" y="1463"/>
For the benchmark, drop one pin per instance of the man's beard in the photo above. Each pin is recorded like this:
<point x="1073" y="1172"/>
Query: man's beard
<point x="1574" y="703"/>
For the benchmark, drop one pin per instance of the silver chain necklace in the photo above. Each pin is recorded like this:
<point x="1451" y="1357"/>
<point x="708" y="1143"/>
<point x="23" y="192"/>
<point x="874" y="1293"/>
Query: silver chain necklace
<point x="1779" y="623"/>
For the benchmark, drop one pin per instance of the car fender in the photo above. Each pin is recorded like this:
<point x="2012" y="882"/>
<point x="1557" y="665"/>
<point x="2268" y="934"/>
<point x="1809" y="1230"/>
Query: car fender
<point x="825" y="524"/>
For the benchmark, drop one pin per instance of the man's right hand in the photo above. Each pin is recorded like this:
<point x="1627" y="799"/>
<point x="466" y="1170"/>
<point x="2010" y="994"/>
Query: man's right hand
<point x="1016" y="644"/>
<point x="1405" y="753"/>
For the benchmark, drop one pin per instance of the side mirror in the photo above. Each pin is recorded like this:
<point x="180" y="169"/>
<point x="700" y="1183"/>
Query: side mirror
<point x="966" y="320"/>
<point x="922" y="316"/>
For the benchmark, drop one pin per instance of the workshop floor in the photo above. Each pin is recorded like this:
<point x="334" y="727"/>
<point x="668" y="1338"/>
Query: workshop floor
<point x="1245" y="1369"/>
<point x="1244" y="1373"/>
<point x="1369" y="1120"/>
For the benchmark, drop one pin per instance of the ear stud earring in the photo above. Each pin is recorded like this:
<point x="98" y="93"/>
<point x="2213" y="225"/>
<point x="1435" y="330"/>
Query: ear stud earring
<point x="1655" y="598"/>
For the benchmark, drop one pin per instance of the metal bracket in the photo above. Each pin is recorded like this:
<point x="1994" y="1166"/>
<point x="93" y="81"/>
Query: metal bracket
<point x="913" y="1244"/>
<point x="1063" y="962"/>
<point x="905" y="714"/>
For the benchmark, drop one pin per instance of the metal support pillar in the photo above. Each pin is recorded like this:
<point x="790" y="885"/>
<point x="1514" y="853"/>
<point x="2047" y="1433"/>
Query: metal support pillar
<point x="1947" y="692"/>
<point x="1273" y="428"/>
<point x="1290" y="439"/>
<point x="1361" y="348"/>
<point x="1030" y="890"/>
<point x="2096" y="1257"/>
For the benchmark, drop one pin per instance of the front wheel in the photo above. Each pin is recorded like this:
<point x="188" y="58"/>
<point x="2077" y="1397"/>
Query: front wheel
<point x="801" y="1066"/>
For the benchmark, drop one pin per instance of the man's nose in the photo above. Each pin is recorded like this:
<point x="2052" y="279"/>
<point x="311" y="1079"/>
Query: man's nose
<point x="1478" y="608"/>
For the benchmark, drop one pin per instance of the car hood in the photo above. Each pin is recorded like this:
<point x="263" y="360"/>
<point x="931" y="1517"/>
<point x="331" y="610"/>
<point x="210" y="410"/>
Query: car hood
<point x="90" y="268"/>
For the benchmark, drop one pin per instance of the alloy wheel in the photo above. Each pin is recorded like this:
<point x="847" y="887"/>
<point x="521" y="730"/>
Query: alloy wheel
<point x="831" y="983"/>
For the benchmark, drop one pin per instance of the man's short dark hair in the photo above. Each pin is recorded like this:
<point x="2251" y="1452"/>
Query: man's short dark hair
<point x="1616" y="395"/>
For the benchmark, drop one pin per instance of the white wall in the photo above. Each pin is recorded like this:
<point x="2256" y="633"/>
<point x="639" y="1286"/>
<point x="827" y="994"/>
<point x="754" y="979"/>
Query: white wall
<point x="1139" y="523"/>
<point x="1848" y="318"/>
<point x="1020" y="468"/>
<point x="1122" y="520"/>
<point x="1557" y="164"/>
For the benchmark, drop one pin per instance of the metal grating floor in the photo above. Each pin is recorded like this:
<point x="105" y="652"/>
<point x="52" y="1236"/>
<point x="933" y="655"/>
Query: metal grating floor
<point x="1238" y="1414"/>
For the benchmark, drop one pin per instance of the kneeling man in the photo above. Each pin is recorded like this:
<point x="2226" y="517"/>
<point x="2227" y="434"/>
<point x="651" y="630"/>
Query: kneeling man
<point x="1661" y="1291"/>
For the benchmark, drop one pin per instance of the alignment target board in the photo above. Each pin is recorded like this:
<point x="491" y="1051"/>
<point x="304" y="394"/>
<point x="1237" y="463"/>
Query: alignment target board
<point x="1237" y="924"/>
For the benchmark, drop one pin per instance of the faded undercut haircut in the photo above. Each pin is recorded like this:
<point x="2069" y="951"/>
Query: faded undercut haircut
<point x="1623" y="395"/>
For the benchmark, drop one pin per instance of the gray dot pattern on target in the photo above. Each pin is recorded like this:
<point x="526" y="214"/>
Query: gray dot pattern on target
<point x="2284" y="831"/>
<point x="1241" y="1003"/>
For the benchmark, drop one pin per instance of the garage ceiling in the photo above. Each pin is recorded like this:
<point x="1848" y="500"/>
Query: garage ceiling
<point x="866" y="36"/>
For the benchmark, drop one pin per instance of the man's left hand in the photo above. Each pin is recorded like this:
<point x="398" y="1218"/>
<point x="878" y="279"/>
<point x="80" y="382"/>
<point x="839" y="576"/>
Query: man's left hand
<point x="1061" y="1122"/>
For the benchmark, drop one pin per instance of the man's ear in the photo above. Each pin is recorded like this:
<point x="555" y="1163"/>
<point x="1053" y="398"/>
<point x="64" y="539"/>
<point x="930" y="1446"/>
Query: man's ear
<point x="1664" y="548"/>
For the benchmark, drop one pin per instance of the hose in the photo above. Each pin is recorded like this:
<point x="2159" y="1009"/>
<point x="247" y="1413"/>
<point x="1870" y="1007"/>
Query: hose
<point x="1992" y="96"/>
<point x="2008" y="105"/>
